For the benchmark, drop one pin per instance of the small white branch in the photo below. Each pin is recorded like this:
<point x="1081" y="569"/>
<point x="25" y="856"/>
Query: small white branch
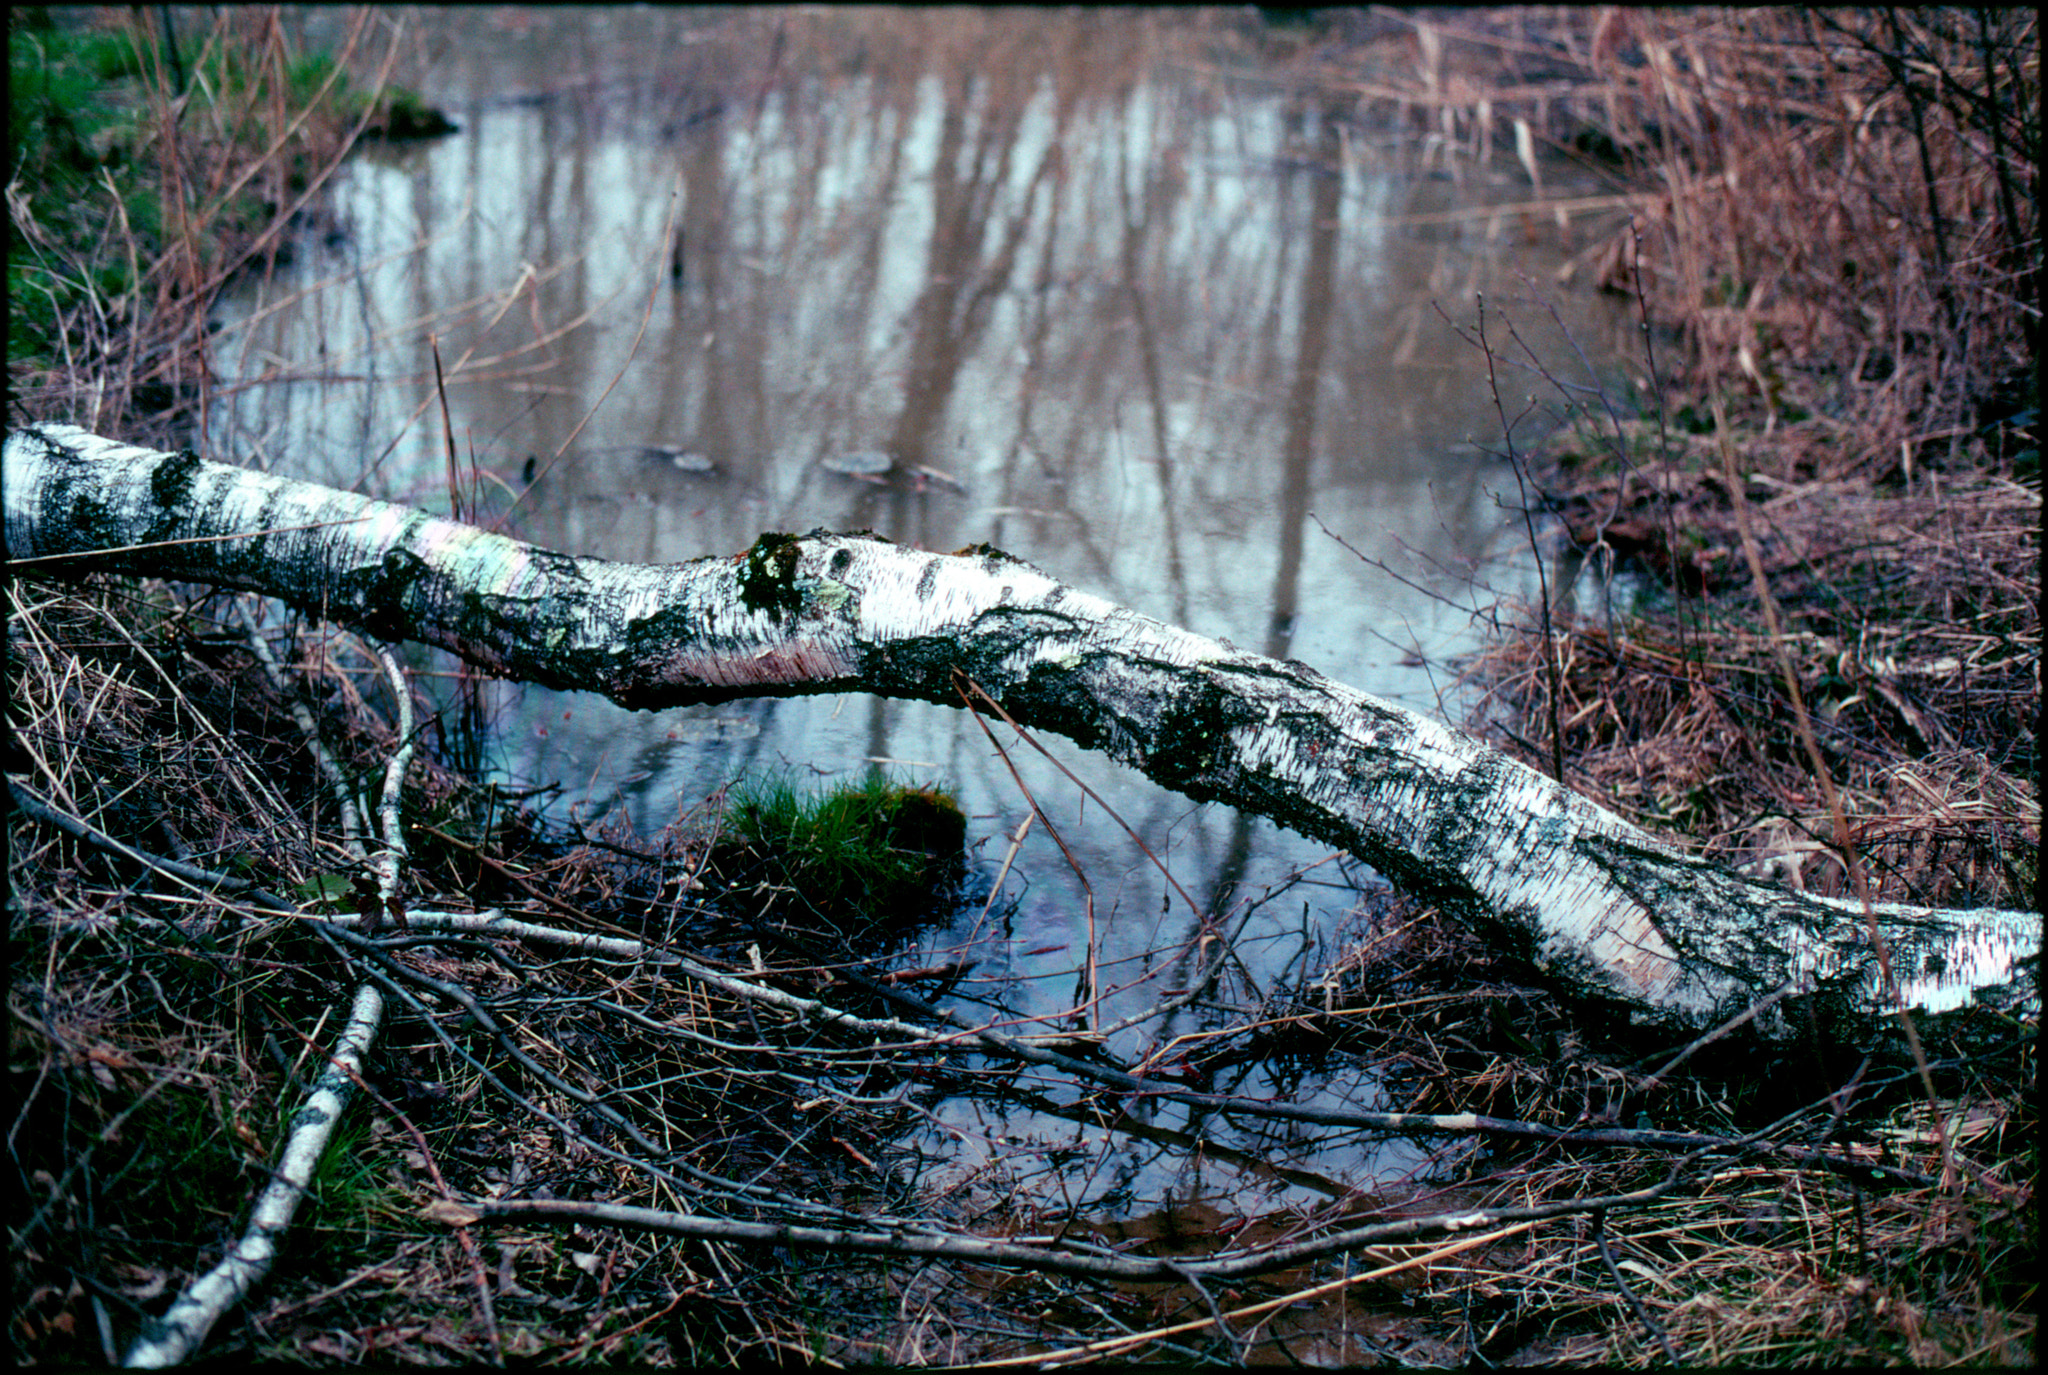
<point x="391" y="864"/>
<point x="176" y="1335"/>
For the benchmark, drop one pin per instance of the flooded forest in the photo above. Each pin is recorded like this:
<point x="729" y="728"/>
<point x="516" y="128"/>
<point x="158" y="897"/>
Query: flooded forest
<point x="1649" y="398"/>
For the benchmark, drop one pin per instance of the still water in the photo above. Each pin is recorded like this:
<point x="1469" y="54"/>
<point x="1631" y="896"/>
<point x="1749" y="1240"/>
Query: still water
<point x="1129" y="295"/>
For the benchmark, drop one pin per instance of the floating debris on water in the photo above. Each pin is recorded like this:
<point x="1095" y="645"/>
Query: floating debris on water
<point x="705" y="728"/>
<point x="867" y="463"/>
<point x="682" y="460"/>
<point x="660" y="455"/>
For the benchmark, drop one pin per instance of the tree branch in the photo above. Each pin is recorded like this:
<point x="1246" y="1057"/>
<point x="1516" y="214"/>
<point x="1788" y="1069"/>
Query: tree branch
<point x="1230" y="1265"/>
<point x="171" y="1338"/>
<point x="1605" y="909"/>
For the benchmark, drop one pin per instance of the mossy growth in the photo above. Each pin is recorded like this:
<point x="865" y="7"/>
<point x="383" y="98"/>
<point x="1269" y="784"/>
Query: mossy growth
<point x="870" y="854"/>
<point x="768" y="575"/>
<point x="109" y="136"/>
<point x="404" y="116"/>
<point x="72" y="128"/>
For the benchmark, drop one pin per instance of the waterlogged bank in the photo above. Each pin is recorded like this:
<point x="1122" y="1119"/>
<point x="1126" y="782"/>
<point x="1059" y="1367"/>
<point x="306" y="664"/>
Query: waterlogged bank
<point x="762" y="1110"/>
<point x="1118" y="293"/>
<point x="160" y="156"/>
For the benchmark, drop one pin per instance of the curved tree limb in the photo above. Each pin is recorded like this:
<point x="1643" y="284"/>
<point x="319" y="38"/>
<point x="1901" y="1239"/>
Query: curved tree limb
<point x="1605" y="908"/>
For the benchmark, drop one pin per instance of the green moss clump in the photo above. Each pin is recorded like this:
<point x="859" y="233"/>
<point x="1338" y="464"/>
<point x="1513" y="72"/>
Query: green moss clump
<point x="171" y="480"/>
<point x="72" y="127"/>
<point x="862" y="855"/>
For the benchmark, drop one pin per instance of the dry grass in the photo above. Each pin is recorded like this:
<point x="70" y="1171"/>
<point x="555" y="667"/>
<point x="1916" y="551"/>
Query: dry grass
<point x="159" y="1027"/>
<point x="1756" y="1258"/>
<point x="1833" y="247"/>
<point x="1831" y="241"/>
<point x="1911" y="623"/>
<point x="1868" y="345"/>
<point x="213" y="180"/>
<point x="1830" y="209"/>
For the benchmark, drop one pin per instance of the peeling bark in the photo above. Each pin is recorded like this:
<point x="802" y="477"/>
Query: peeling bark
<point x="1600" y="905"/>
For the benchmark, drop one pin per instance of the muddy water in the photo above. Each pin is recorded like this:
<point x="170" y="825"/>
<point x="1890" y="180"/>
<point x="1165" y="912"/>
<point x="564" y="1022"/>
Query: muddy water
<point x="1113" y="292"/>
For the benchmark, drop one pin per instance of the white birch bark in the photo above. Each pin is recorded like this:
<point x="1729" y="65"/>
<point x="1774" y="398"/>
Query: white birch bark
<point x="1600" y="905"/>
<point x="183" y="1327"/>
<point x="168" y="1340"/>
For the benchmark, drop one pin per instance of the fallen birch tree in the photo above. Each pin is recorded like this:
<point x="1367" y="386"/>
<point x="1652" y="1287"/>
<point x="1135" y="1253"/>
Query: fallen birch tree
<point x="1602" y="907"/>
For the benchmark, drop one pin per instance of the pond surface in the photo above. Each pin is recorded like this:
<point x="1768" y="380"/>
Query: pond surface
<point x="1114" y="292"/>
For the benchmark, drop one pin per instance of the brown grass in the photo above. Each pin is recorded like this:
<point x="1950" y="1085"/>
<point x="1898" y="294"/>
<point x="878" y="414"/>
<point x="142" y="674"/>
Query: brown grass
<point x="1833" y="227"/>
<point x="1911" y="624"/>
<point x="160" y="1026"/>
<point x="233" y="165"/>
<point x="1829" y="245"/>
<point x="1833" y="248"/>
<point x="1754" y="1259"/>
<point x="1831" y="210"/>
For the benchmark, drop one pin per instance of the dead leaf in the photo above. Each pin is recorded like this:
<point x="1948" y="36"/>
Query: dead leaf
<point x="451" y="1213"/>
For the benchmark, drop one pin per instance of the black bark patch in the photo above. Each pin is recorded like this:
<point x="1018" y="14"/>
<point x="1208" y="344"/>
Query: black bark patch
<point x="1189" y="740"/>
<point x="1457" y="822"/>
<point x="927" y="580"/>
<point x="768" y="575"/>
<point x="171" y="481"/>
<point x="383" y="594"/>
<point x="1059" y="702"/>
<point x="170" y="486"/>
<point x="54" y="447"/>
<point x="987" y="551"/>
<point x="97" y="524"/>
<point x="841" y="561"/>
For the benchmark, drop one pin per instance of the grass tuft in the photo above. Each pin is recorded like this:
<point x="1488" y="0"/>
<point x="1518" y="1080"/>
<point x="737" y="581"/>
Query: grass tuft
<point x="869" y="853"/>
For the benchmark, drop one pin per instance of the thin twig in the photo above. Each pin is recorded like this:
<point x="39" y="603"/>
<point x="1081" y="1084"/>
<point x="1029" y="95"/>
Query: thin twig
<point x="1635" y="1305"/>
<point x="171" y="868"/>
<point x="1845" y="844"/>
<point x="1550" y="669"/>
<point x="184" y="1327"/>
<point x="1234" y="1265"/>
<point x="1762" y="1004"/>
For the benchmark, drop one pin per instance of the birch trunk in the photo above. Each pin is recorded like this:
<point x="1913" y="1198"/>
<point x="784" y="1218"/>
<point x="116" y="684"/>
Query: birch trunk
<point x="1601" y="906"/>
